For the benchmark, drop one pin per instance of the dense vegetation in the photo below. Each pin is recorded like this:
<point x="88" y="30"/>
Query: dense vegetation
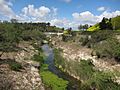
<point x="11" y="33"/>
<point x="116" y="23"/>
<point x="90" y="77"/>
<point x="104" y="43"/>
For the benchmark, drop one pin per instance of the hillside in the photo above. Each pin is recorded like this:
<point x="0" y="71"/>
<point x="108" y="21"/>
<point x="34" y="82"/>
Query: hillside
<point x="114" y="21"/>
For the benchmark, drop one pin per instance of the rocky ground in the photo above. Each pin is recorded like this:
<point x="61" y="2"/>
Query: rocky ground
<point x="73" y="51"/>
<point x="27" y="78"/>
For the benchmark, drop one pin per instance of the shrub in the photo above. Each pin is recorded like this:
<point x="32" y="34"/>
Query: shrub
<point x="108" y="48"/>
<point x="101" y="81"/>
<point x="39" y="58"/>
<point x="95" y="37"/>
<point x="15" y="66"/>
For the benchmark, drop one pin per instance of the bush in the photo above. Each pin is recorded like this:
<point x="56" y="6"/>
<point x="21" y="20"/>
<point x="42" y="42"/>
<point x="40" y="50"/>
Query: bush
<point x="95" y="37"/>
<point x="58" y="59"/>
<point x="15" y="66"/>
<point x="109" y="48"/>
<point x="101" y="81"/>
<point x="39" y="58"/>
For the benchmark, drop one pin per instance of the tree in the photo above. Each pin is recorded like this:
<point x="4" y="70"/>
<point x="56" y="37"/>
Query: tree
<point x="103" y="24"/>
<point x="63" y="29"/>
<point x="80" y="27"/>
<point x="69" y="30"/>
<point x="86" y="26"/>
<point x="83" y="27"/>
<point x="109" y="25"/>
<point x="106" y="24"/>
<point x="48" y="24"/>
<point x="14" y="20"/>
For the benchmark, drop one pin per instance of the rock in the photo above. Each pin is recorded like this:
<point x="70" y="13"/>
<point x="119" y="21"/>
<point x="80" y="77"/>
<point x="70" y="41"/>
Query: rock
<point x="28" y="78"/>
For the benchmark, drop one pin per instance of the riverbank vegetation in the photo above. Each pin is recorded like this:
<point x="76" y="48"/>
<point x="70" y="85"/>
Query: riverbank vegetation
<point x="89" y="76"/>
<point x="105" y="44"/>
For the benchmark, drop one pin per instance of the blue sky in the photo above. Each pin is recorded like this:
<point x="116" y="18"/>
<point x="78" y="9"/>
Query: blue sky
<point x="63" y="13"/>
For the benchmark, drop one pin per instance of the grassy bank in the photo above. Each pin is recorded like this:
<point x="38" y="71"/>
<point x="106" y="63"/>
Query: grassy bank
<point x="90" y="77"/>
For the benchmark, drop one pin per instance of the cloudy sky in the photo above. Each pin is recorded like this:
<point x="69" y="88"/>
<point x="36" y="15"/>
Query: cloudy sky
<point x="63" y="13"/>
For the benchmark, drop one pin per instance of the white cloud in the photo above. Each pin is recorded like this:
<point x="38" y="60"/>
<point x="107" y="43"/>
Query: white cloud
<point x="85" y="17"/>
<point x="101" y="9"/>
<point x="109" y="14"/>
<point x="5" y="8"/>
<point x="36" y="12"/>
<point x="64" y="23"/>
<point x="40" y="14"/>
<point x="59" y="22"/>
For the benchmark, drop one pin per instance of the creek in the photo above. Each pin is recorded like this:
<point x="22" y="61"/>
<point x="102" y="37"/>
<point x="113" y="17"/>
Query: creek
<point x="74" y="84"/>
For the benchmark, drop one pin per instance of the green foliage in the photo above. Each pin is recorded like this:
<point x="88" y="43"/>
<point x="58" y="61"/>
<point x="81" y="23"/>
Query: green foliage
<point x="109" y="48"/>
<point x="32" y="35"/>
<point x="106" y="24"/>
<point x="84" y="69"/>
<point x="9" y="37"/>
<point x="116" y="23"/>
<point x="92" y="79"/>
<point x="58" y="59"/>
<point x="38" y="58"/>
<point x="12" y="33"/>
<point x="104" y="43"/>
<point x="94" y="27"/>
<point x="15" y="66"/>
<point x="83" y="27"/>
<point x="53" y="81"/>
<point x="44" y="67"/>
<point x="101" y="81"/>
<point x="92" y="38"/>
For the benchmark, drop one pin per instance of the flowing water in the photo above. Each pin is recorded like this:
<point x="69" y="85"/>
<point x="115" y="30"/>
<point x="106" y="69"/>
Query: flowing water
<point x="73" y="83"/>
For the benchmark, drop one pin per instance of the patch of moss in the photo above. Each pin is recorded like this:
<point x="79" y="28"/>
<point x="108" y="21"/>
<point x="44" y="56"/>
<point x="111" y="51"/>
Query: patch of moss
<point x="51" y="80"/>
